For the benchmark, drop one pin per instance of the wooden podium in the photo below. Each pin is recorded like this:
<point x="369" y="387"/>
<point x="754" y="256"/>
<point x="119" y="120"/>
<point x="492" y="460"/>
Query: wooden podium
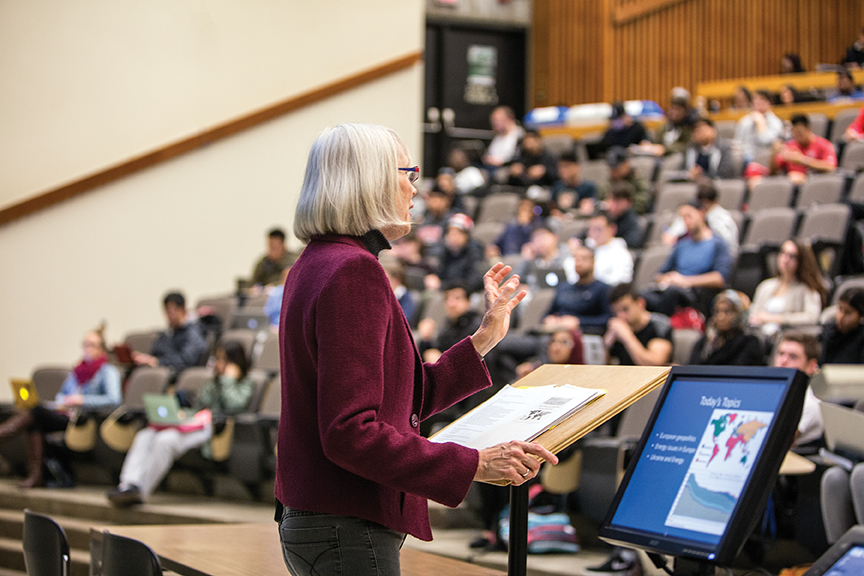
<point x="624" y="385"/>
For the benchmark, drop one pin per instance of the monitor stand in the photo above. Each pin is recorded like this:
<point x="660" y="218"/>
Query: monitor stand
<point x="689" y="567"/>
<point x="684" y="566"/>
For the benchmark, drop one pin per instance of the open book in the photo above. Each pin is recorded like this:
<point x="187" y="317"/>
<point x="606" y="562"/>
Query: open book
<point x="517" y="413"/>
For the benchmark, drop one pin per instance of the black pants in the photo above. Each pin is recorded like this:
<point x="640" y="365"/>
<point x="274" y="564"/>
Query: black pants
<point x="46" y="420"/>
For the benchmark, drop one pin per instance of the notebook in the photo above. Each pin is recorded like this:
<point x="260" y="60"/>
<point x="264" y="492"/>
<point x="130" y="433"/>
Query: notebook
<point x="163" y="411"/>
<point x="25" y="393"/>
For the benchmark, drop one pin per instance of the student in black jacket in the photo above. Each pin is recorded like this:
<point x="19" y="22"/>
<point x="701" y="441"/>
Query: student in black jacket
<point x="843" y="337"/>
<point x="726" y="341"/>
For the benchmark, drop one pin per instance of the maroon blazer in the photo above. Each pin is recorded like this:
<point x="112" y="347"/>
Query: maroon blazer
<point x="354" y="390"/>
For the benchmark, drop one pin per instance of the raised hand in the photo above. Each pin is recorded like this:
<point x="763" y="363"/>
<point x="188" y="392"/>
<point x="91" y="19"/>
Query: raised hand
<point x="500" y="302"/>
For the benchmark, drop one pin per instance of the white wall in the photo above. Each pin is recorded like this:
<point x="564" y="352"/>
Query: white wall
<point x="194" y="223"/>
<point x="89" y="83"/>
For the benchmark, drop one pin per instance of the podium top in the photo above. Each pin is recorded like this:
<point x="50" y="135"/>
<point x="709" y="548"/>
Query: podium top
<point x="624" y="385"/>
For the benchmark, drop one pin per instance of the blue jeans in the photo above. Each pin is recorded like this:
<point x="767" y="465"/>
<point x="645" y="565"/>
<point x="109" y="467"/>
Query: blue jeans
<point x="316" y="544"/>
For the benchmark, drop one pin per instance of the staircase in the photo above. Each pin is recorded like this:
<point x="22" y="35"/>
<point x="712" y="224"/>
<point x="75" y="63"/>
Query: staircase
<point x="78" y="510"/>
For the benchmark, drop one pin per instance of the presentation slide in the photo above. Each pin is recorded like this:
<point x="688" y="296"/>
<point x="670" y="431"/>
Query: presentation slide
<point x="851" y="564"/>
<point x="698" y="458"/>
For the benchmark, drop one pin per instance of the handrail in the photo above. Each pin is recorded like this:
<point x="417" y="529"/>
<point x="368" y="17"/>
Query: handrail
<point x="727" y="87"/>
<point x="633" y="11"/>
<point x="66" y="191"/>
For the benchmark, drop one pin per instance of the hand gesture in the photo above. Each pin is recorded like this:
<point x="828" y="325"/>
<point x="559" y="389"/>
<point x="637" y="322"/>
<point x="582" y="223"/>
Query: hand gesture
<point x="512" y="461"/>
<point x="500" y="302"/>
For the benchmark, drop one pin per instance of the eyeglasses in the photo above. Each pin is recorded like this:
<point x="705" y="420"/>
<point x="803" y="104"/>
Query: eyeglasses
<point x="792" y="255"/>
<point x="413" y="173"/>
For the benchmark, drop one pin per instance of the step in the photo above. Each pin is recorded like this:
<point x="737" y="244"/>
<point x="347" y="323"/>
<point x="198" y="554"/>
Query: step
<point x="99" y="512"/>
<point x="90" y="502"/>
<point x="12" y="557"/>
<point x="77" y="530"/>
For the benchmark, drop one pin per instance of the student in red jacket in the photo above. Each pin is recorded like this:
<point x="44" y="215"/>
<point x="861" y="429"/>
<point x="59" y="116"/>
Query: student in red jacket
<point x="353" y="473"/>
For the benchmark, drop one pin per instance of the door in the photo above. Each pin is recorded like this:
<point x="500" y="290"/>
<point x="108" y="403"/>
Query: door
<point x="469" y="71"/>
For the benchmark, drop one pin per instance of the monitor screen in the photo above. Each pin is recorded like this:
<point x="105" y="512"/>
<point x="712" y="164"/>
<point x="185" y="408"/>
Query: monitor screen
<point x="850" y="563"/>
<point x="706" y="461"/>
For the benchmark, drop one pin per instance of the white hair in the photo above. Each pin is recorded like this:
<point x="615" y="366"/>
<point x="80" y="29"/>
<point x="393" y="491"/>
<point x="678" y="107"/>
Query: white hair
<point x="351" y="182"/>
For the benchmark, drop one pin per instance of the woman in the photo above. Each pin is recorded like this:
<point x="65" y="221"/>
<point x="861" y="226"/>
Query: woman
<point x="743" y="99"/>
<point x="726" y="341"/>
<point x="353" y="473"/>
<point x="93" y="383"/>
<point x="795" y="296"/>
<point x="154" y="450"/>
<point x="791" y="64"/>
<point x="565" y="347"/>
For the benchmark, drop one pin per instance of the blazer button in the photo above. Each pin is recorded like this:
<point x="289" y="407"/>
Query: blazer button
<point x="414" y="420"/>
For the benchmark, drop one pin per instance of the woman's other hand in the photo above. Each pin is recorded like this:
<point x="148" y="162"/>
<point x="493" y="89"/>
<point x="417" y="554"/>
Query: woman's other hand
<point x="73" y="400"/>
<point x="512" y="461"/>
<point x="500" y="302"/>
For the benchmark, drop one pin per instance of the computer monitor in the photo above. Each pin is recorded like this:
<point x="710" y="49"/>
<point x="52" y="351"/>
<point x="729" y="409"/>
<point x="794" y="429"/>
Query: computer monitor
<point x="706" y="463"/>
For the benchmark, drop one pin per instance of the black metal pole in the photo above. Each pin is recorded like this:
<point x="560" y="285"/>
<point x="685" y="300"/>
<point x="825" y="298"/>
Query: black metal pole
<point x="518" y="547"/>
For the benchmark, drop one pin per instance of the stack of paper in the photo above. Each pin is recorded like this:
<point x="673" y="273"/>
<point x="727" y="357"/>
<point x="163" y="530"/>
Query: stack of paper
<point x="517" y="413"/>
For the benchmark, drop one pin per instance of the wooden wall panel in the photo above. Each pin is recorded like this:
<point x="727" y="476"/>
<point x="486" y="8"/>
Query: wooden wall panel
<point x="581" y="54"/>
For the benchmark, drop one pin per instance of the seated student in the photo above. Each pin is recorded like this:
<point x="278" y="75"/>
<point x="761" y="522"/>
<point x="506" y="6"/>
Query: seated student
<point x="273" y="305"/>
<point x="93" y="383"/>
<point x="801" y="351"/>
<point x="571" y="192"/>
<point x="696" y="269"/>
<point x="179" y="347"/>
<point x="584" y="304"/>
<point x="395" y="271"/>
<point x="502" y="148"/>
<point x="804" y="153"/>
<point x="544" y="254"/>
<point x="791" y="64"/>
<point x="623" y="130"/>
<point x="846" y="90"/>
<point x="843" y="337"/>
<point x="718" y="218"/>
<point x="789" y="95"/>
<point x="462" y="321"/>
<point x="533" y="166"/>
<point x="742" y="99"/>
<point x="430" y="229"/>
<point x="793" y="297"/>
<point x="461" y="257"/>
<point x="855" y="130"/>
<point x="854" y="57"/>
<point x="708" y="156"/>
<point x="517" y="233"/>
<point x="759" y="129"/>
<point x="153" y="451"/>
<point x="635" y="336"/>
<point x="613" y="262"/>
<point x="726" y="341"/>
<point x="675" y="135"/>
<point x="619" y="205"/>
<point x="460" y="173"/>
<point x="269" y="268"/>
<point x="621" y="175"/>
<point x="565" y="347"/>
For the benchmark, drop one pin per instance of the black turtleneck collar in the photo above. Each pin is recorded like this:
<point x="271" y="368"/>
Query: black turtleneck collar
<point x="375" y="242"/>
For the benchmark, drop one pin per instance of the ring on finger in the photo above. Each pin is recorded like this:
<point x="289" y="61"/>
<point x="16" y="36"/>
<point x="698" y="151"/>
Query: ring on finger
<point x="527" y="472"/>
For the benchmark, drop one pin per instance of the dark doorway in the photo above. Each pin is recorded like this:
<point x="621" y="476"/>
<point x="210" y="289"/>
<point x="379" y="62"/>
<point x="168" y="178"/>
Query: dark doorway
<point x="469" y="71"/>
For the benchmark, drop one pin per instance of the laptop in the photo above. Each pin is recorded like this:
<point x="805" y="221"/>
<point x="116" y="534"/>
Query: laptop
<point x="163" y="410"/>
<point x="25" y="393"/>
<point x="123" y="354"/>
<point x="844" y="428"/>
